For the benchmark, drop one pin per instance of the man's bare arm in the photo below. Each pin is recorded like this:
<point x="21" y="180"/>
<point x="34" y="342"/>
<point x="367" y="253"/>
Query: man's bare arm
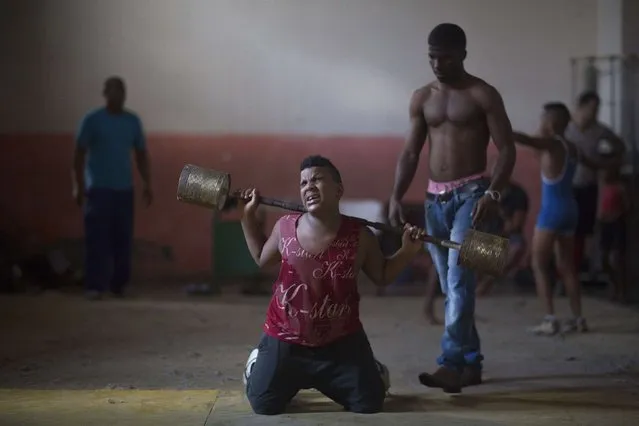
<point x="142" y="154"/>
<point x="83" y="141"/>
<point x="409" y="157"/>
<point x="265" y="251"/>
<point x="541" y="144"/>
<point x="144" y="166"/>
<point x="381" y="270"/>
<point x="598" y="163"/>
<point x="501" y="132"/>
<point x="79" y="157"/>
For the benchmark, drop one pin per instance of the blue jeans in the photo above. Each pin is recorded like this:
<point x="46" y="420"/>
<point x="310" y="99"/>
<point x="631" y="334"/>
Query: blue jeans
<point x="448" y="216"/>
<point x="108" y="237"/>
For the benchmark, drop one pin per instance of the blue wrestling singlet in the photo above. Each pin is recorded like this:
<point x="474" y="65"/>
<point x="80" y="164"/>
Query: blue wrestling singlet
<point x="559" y="212"/>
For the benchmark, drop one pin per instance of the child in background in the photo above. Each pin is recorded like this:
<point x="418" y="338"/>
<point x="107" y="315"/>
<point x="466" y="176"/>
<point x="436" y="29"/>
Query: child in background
<point x="614" y="205"/>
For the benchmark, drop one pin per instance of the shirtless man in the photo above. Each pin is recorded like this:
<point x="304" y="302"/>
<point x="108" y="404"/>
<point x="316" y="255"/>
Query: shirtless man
<point x="313" y="337"/>
<point x="459" y="113"/>
<point x="558" y="216"/>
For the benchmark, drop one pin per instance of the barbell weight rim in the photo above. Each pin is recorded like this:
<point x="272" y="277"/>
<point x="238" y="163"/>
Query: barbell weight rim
<point x="187" y="187"/>
<point x="494" y="264"/>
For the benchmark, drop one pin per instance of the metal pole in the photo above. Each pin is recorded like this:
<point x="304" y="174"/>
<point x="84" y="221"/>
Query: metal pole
<point x="632" y="268"/>
<point x="613" y="94"/>
<point x="591" y="75"/>
<point x="574" y="62"/>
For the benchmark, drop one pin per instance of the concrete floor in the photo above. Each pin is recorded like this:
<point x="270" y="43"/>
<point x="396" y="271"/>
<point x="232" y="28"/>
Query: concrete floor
<point x="165" y="359"/>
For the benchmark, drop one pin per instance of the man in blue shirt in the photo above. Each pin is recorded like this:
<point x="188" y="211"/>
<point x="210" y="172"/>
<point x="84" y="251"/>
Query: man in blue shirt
<point x="103" y="185"/>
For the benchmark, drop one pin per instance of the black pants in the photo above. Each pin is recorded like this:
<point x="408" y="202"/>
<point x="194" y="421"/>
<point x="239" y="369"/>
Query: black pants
<point x="345" y="371"/>
<point x="613" y="235"/>
<point x="587" y="198"/>
<point x="108" y="229"/>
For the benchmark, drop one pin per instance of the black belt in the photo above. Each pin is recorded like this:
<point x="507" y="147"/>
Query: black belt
<point x="466" y="189"/>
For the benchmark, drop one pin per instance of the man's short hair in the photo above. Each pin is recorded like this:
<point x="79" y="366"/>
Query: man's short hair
<point x="588" y="97"/>
<point x="559" y="109"/>
<point x="447" y="36"/>
<point x="114" y="80"/>
<point x="319" y="161"/>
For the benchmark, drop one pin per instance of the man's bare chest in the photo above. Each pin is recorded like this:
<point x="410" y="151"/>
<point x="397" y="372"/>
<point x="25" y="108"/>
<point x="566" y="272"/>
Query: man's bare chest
<point x="456" y="108"/>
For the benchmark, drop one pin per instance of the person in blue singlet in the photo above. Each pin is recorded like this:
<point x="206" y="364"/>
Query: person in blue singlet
<point x="557" y="218"/>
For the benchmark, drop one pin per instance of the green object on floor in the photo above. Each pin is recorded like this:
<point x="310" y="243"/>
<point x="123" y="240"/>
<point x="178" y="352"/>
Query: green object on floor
<point x="231" y="256"/>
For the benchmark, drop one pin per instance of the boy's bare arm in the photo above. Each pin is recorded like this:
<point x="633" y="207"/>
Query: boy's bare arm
<point x="265" y="251"/>
<point x="380" y="269"/>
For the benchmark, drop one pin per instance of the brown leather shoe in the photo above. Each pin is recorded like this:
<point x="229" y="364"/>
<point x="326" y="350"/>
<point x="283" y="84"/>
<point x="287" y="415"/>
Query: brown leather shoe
<point x="471" y="376"/>
<point x="450" y="381"/>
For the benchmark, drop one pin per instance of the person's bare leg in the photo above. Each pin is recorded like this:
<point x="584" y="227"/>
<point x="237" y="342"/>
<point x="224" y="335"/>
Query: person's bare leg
<point x="542" y="245"/>
<point x="541" y="254"/>
<point x="515" y="255"/>
<point x="564" y="251"/>
<point x="432" y="285"/>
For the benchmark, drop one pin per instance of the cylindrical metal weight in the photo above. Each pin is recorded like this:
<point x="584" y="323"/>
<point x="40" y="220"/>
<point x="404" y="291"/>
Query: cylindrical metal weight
<point x="484" y="252"/>
<point x="203" y="187"/>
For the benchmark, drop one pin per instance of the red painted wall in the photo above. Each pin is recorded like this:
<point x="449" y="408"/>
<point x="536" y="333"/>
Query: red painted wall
<point x="35" y="176"/>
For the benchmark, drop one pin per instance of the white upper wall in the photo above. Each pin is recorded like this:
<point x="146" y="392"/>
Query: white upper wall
<point x="276" y="66"/>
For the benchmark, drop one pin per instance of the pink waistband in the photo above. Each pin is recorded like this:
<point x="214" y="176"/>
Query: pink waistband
<point x="443" y="187"/>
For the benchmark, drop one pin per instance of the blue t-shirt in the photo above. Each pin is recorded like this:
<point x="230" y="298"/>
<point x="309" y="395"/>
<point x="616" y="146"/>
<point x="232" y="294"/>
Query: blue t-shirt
<point x="109" y="139"/>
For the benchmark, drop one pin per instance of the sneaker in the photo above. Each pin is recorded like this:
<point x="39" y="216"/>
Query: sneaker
<point x="548" y="327"/>
<point x="573" y="325"/>
<point x="383" y="371"/>
<point x="249" y="365"/>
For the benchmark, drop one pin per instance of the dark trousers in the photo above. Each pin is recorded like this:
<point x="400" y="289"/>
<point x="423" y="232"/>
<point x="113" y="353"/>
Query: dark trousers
<point x="587" y="198"/>
<point x="345" y="371"/>
<point x="108" y="230"/>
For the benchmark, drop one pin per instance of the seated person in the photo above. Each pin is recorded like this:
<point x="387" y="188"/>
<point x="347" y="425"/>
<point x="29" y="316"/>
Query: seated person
<point x="313" y="336"/>
<point x="513" y="213"/>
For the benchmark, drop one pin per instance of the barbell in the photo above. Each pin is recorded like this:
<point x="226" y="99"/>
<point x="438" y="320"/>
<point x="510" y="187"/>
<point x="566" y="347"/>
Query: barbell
<point x="210" y="188"/>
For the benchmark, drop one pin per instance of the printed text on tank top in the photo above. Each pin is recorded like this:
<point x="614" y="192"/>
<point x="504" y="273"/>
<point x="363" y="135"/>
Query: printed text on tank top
<point x="315" y="298"/>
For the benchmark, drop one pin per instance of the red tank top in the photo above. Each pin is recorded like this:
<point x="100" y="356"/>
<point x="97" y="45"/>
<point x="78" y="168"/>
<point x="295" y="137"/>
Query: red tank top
<point x="315" y="299"/>
<point x="611" y="200"/>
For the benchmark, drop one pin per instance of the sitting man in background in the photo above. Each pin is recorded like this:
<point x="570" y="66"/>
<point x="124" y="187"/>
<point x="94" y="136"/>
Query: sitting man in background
<point x="513" y="213"/>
